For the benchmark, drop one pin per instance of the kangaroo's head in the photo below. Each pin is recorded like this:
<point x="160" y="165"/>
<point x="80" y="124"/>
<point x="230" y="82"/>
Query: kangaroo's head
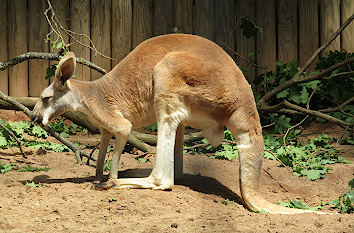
<point x="59" y="96"/>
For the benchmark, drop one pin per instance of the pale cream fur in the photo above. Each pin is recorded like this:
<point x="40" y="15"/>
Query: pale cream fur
<point x="174" y="80"/>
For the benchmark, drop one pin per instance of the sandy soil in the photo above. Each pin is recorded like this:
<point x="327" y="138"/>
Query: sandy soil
<point x="66" y="202"/>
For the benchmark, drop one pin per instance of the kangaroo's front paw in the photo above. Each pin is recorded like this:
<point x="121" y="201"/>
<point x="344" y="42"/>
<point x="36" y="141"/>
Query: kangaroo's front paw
<point x="100" y="185"/>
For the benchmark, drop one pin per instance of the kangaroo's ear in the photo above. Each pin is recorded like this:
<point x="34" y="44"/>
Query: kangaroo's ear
<point x="65" y="68"/>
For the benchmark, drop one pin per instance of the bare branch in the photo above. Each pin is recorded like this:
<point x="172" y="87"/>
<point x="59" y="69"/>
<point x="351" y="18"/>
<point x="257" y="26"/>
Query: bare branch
<point x="339" y="107"/>
<point x="56" y="26"/>
<point x="315" y="113"/>
<point x="46" y="56"/>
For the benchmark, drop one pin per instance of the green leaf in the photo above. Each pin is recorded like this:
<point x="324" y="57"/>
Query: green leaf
<point x="249" y="28"/>
<point x="143" y="160"/>
<point x="3" y="142"/>
<point x="59" y="45"/>
<point x="34" y="185"/>
<point x="311" y="174"/>
<point x="351" y="184"/>
<point x="304" y="95"/>
<point x="39" y="132"/>
<point x="29" y="168"/>
<point x="50" y="71"/>
<point x="283" y="94"/>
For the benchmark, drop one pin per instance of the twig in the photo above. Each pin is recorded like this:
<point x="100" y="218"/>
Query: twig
<point x="292" y="127"/>
<point x="14" y="137"/>
<point x="271" y="152"/>
<point x="46" y="56"/>
<point x="243" y="58"/>
<point x="197" y="146"/>
<point x="55" y="26"/>
<point x="78" y="152"/>
<point x="281" y="186"/>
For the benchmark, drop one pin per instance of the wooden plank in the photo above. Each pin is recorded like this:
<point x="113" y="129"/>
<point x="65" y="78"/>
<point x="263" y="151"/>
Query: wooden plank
<point x="266" y="41"/>
<point x="184" y="15"/>
<point x="142" y="21"/>
<point x="348" y="32"/>
<point x="287" y="30"/>
<point x="62" y="12"/>
<point x="4" y="56"/>
<point x="18" y="75"/>
<point x="80" y="23"/>
<point x="224" y="31"/>
<point x="308" y="30"/>
<point x="245" y="47"/>
<point x="101" y="35"/>
<point x="36" y="36"/>
<point x="122" y="19"/>
<point x="329" y="23"/>
<point x="163" y="17"/>
<point x="203" y="18"/>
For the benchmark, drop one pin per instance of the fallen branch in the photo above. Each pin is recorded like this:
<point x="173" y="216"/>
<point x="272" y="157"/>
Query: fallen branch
<point x="46" y="56"/>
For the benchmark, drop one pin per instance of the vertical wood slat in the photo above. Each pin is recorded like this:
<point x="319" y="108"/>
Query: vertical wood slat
<point x="37" y="31"/>
<point x="18" y="75"/>
<point x="183" y="10"/>
<point x="203" y="18"/>
<point x="266" y="41"/>
<point x="163" y="17"/>
<point x="348" y="32"/>
<point x="80" y="23"/>
<point x="142" y="21"/>
<point x="4" y="78"/>
<point x="101" y="35"/>
<point x="308" y="30"/>
<point x="224" y="23"/>
<point x="287" y="30"/>
<point x="245" y="46"/>
<point x="330" y="22"/>
<point x="122" y="17"/>
<point x="62" y="12"/>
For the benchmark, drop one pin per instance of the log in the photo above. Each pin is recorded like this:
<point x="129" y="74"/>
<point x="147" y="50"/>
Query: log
<point x="141" y="141"/>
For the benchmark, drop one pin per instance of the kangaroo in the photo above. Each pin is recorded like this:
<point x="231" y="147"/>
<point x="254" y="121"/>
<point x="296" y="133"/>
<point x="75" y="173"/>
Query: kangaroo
<point x="175" y="80"/>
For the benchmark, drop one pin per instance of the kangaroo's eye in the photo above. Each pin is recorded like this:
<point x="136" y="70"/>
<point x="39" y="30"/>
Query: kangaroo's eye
<point x="45" y="99"/>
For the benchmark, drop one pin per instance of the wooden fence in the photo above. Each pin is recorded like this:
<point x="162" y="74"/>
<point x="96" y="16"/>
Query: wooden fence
<point x="292" y="30"/>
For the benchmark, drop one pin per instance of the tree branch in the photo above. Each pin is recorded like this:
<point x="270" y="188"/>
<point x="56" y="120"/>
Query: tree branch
<point x="46" y="56"/>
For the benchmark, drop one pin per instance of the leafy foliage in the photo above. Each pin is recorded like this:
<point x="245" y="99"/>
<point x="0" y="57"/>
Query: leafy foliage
<point x="5" y="167"/>
<point x="327" y="93"/>
<point x="21" y="128"/>
<point x="249" y="28"/>
<point x="34" y="185"/>
<point x="224" y="151"/>
<point x="107" y="165"/>
<point x="299" y="205"/>
<point x="29" y="168"/>
<point x="305" y="160"/>
<point x="345" y="202"/>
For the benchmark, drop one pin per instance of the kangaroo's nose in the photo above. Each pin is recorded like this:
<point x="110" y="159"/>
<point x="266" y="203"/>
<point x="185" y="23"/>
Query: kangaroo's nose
<point x="36" y="118"/>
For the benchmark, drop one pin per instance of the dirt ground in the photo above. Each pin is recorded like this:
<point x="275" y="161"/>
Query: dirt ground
<point x="66" y="202"/>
